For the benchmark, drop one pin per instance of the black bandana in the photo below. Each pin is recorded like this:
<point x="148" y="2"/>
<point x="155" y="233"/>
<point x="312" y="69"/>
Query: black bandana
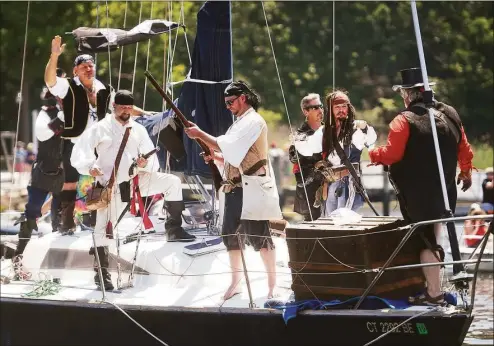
<point x="124" y="98"/>
<point x="237" y="89"/>
<point x="82" y="59"/>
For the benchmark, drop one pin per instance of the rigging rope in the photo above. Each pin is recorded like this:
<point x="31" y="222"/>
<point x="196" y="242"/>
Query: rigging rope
<point x="122" y="47"/>
<point x="20" y="99"/>
<point x="135" y="56"/>
<point x="97" y="26"/>
<point x="286" y="109"/>
<point x="147" y="62"/>
<point x="109" y="55"/>
<point x="334" y="46"/>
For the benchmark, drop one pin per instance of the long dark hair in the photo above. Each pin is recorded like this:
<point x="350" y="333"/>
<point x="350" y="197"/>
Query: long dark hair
<point x="253" y="99"/>
<point x="346" y="130"/>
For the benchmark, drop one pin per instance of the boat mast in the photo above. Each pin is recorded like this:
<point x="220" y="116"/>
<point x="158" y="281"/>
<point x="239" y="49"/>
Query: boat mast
<point x="428" y="100"/>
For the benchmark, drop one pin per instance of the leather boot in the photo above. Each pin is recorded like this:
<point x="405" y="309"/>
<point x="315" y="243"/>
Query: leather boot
<point x="68" y="224"/>
<point x="55" y="214"/>
<point x="26" y="229"/>
<point x="173" y="224"/>
<point x="104" y="258"/>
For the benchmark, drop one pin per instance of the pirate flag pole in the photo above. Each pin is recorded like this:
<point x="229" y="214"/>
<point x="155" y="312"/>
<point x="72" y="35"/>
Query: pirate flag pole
<point x="460" y="277"/>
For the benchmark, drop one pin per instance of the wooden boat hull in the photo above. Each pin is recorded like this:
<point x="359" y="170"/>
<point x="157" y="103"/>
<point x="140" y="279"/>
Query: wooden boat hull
<point x="83" y="323"/>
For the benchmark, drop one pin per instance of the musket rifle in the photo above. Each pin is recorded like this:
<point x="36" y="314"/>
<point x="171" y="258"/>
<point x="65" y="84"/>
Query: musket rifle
<point x="356" y="178"/>
<point x="145" y="156"/>
<point x="185" y="123"/>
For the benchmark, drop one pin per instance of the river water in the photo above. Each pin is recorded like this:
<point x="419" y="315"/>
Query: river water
<point x="481" y="331"/>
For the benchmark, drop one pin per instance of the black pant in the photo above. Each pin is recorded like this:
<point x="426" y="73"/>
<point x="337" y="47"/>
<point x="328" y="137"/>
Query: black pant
<point x="36" y="198"/>
<point x="253" y="232"/>
<point x="71" y="174"/>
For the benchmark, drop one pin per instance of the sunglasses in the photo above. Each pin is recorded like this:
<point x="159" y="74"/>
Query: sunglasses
<point x="230" y="102"/>
<point x="314" y="107"/>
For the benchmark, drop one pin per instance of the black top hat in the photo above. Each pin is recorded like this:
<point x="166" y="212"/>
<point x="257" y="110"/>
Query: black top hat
<point x="411" y="78"/>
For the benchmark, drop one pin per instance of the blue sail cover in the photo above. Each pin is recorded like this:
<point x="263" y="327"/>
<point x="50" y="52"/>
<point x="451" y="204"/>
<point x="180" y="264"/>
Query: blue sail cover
<point x="204" y="103"/>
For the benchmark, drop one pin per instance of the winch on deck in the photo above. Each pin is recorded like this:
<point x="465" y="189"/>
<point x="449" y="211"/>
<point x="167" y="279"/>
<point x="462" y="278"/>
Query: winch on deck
<point x="330" y="261"/>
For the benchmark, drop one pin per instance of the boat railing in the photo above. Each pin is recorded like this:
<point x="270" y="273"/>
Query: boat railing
<point x="411" y="229"/>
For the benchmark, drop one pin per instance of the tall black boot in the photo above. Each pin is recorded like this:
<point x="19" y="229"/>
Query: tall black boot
<point x="173" y="224"/>
<point x="104" y="258"/>
<point x="68" y="206"/>
<point x="26" y="229"/>
<point x="25" y="232"/>
<point x="55" y="213"/>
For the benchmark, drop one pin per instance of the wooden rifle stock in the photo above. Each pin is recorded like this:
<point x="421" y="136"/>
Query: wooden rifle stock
<point x="185" y="123"/>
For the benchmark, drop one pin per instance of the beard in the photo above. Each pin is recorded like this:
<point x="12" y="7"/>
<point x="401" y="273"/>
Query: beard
<point x="341" y="115"/>
<point x="124" y="116"/>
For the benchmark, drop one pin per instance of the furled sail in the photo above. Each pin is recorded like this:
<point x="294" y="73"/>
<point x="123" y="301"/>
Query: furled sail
<point x="201" y="96"/>
<point x="203" y="102"/>
<point x="94" y="40"/>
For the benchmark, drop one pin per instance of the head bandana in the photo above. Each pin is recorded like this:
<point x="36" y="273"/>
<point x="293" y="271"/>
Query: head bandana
<point x="124" y="98"/>
<point x="340" y="98"/>
<point x="81" y="59"/>
<point x="237" y="89"/>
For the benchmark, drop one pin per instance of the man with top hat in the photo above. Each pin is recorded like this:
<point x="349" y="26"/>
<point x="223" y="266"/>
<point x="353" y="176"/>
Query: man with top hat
<point x="413" y="169"/>
<point x="85" y="101"/>
<point x="105" y="138"/>
<point x="47" y="175"/>
<point x="244" y="146"/>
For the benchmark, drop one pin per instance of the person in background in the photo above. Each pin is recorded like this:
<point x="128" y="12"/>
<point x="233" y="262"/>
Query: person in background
<point x="20" y="156"/>
<point x="276" y="156"/>
<point x="488" y="191"/>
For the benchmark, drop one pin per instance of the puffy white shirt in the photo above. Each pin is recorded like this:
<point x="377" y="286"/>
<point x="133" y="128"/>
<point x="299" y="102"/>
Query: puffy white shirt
<point x="106" y="136"/>
<point x="61" y="88"/>
<point x="41" y="129"/>
<point x="313" y="144"/>
<point x="243" y="133"/>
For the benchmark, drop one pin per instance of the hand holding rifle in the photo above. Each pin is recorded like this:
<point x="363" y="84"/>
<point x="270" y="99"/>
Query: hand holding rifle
<point x="141" y="161"/>
<point x="195" y="131"/>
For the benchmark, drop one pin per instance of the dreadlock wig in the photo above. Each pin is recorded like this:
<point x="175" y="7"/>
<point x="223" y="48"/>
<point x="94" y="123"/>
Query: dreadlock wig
<point x="346" y="129"/>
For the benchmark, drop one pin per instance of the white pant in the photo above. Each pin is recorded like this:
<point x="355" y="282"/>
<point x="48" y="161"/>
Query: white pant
<point x="149" y="184"/>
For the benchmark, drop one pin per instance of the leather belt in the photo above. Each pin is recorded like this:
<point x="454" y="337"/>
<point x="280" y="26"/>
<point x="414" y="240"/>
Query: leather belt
<point x="237" y="181"/>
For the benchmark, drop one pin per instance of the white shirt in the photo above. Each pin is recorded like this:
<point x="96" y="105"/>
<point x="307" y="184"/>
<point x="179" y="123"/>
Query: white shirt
<point x="41" y="129"/>
<point x="241" y="135"/>
<point x="106" y="136"/>
<point x="61" y="88"/>
<point x="313" y="144"/>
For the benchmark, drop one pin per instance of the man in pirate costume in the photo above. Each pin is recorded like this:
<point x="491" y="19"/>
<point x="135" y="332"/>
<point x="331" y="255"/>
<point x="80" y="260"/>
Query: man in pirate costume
<point x="304" y="159"/>
<point x="85" y="101"/>
<point x="47" y="175"/>
<point x="341" y="128"/>
<point x="244" y="145"/>
<point x="105" y="139"/>
<point x="413" y="169"/>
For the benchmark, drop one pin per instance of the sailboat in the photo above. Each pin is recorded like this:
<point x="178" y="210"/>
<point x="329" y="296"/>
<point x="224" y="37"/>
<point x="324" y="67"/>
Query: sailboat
<point x="171" y="293"/>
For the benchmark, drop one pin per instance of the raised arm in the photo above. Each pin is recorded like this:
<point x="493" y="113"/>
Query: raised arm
<point x="57" y="48"/>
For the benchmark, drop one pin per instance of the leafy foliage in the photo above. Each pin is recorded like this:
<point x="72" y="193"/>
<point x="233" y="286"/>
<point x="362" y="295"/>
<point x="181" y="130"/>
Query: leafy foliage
<point x="373" y="41"/>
